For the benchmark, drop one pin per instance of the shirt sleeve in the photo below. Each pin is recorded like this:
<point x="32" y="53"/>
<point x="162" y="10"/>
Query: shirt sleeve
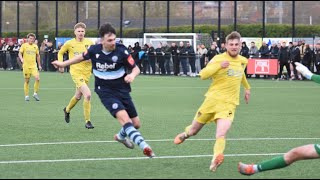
<point x="244" y="82"/>
<point x="63" y="49"/>
<point x="21" y="49"/>
<point x="210" y="69"/>
<point x="128" y="60"/>
<point x="88" y="54"/>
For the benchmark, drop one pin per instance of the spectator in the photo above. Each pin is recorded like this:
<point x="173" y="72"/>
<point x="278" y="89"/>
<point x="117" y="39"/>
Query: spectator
<point x="283" y="60"/>
<point x="135" y="54"/>
<point x="317" y="58"/>
<point x="167" y="57"/>
<point x="245" y="53"/>
<point x="264" y="53"/>
<point x="192" y="59"/>
<point x="145" y="60"/>
<point x="11" y="54"/>
<point x="182" y="54"/>
<point x="152" y="58"/>
<point x="253" y="50"/>
<point x="307" y="57"/>
<point x="3" y="63"/>
<point x="274" y="51"/>
<point x="223" y="48"/>
<point x="174" y="53"/>
<point x="212" y="52"/>
<point x="203" y="52"/>
<point x="160" y="59"/>
<point x="295" y="57"/>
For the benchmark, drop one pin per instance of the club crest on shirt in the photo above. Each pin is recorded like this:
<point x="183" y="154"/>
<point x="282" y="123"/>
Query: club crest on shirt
<point x="97" y="56"/>
<point x="126" y="52"/>
<point x="115" y="106"/>
<point x="114" y="58"/>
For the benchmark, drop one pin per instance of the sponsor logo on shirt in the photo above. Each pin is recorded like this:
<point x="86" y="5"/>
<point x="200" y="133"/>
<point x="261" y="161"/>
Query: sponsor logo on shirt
<point x="105" y="66"/>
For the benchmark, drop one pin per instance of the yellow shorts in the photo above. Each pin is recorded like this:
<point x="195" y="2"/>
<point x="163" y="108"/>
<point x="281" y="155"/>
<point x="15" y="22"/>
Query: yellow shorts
<point x="80" y="79"/>
<point x="28" y="72"/>
<point x="210" y="110"/>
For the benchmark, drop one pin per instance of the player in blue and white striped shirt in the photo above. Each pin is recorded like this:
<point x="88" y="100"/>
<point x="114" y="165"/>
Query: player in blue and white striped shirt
<point x="114" y="69"/>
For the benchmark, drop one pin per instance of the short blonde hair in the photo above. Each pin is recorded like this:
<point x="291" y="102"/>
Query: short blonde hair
<point x="32" y="35"/>
<point x="80" y="25"/>
<point x="233" y="35"/>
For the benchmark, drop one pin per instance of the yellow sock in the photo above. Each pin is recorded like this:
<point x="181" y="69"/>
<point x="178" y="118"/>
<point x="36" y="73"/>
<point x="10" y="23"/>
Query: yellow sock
<point x="187" y="129"/>
<point x="36" y="86"/>
<point x="72" y="103"/>
<point x="86" y="109"/>
<point x="219" y="146"/>
<point x="26" y="89"/>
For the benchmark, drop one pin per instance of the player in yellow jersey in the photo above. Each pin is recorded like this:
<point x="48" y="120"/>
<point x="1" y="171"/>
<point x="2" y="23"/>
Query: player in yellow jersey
<point x="28" y="54"/>
<point x="80" y="72"/>
<point x="227" y="73"/>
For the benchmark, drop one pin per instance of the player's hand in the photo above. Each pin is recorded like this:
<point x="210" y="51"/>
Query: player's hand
<point x="303" y="70"/>
<point x="40" y="68"/>
<point x="21" y="60"/>
<point x="247" y="96"/>
<point x="129" y="78"/>
<point x="61" y="70"/>
<point x="225" y="64"/>
<point x="57" y="64"/>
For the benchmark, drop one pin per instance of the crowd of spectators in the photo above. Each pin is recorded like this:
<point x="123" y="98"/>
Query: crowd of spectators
<point x="181" y="59"/>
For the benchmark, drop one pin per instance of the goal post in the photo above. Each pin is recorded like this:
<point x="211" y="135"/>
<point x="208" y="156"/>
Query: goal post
<point x="156" y="38"/>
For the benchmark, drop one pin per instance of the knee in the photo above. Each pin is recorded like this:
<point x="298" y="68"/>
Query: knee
<point x="87" y="97"/>
<point x="292" y="156"/>
<point x="78" y="97"/>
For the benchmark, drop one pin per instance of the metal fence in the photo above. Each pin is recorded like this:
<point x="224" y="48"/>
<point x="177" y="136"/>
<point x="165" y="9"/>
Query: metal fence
<point x="33" y="16"/>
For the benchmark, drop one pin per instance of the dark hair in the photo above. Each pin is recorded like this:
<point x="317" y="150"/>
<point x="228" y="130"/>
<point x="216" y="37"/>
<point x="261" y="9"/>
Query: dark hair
<point x="106" y="29"/>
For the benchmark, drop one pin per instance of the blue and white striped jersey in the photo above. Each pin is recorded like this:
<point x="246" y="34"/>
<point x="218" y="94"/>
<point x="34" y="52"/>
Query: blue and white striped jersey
<point x="110" y="68"/>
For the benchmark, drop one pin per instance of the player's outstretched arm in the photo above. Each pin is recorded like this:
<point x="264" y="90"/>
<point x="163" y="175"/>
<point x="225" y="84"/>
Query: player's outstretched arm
<point x="74" y="60"/>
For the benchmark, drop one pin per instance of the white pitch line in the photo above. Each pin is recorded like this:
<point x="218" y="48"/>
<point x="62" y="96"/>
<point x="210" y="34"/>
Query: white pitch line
<point x="171" y="87"/>
<point x="130" y="158"/>
<point x="155" y="140"/>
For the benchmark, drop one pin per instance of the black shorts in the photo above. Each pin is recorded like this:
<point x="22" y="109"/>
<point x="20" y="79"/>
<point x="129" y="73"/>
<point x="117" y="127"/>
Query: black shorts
<point x="116" y="101"/>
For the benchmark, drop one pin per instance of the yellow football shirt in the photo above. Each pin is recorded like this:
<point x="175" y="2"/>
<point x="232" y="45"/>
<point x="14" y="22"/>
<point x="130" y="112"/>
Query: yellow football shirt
<point x="74" y="48"/>
<point x="29" y="54"/>
<point x="226" y="81"/>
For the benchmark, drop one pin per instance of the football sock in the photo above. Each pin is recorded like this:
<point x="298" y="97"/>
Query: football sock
<point x="122" y="134"/>
<point x="72" y="103"/>
<point x="86" y="109"/>
<point x="134" y="135"/>
<point x="315" y="78"/>
<point x="36" y="86"/>
<point x="219" y="146"/>
<point x="26" y="88"/>
<point x="274" y="163"/>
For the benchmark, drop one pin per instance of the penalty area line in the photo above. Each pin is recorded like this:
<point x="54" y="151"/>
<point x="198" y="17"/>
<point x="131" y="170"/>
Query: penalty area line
<point x="131" y="158"/>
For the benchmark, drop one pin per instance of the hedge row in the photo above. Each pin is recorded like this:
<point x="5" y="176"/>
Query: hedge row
<point x="246" y="30"/>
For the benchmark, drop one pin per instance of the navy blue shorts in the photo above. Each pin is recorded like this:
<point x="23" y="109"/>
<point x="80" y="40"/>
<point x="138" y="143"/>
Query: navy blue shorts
<point x="115" y="101"/>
